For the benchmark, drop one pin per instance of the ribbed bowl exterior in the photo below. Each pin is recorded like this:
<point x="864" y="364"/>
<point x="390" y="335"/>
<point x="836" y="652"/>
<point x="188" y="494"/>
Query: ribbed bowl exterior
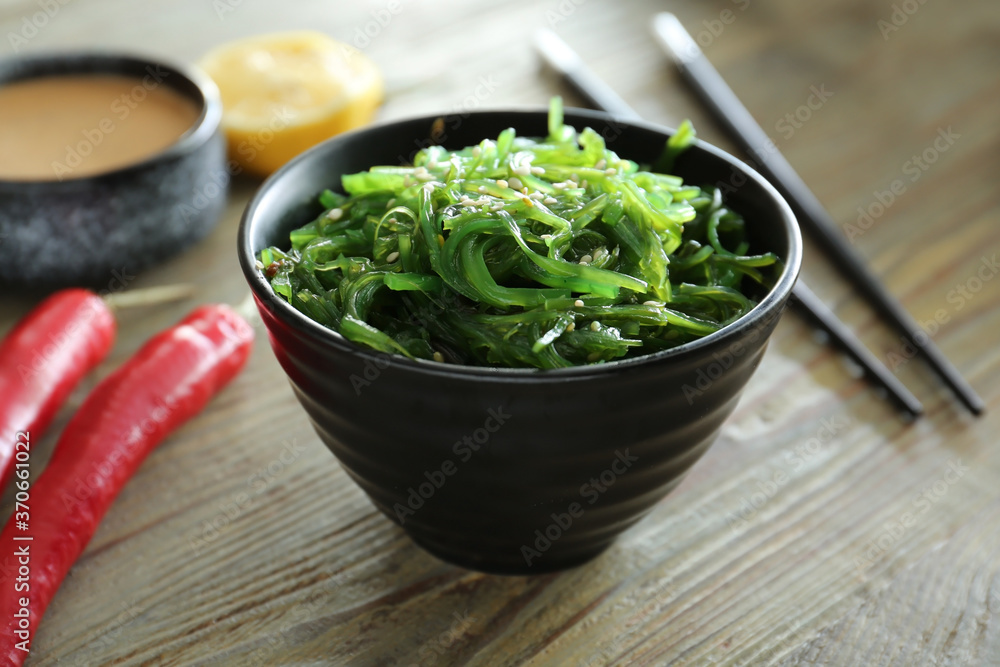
<point x="513" y="471"/>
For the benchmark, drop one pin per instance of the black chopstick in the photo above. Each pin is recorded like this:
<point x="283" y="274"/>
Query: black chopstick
<point x="849" y="343"/>
<point x="591" y="87"/>
<point x="568" y="64"/>
<point x="731" y="114"/>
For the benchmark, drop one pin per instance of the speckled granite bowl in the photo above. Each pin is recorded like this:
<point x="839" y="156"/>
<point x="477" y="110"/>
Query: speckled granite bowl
<point x="514" y="470"/>
<point x="93" y="229"/>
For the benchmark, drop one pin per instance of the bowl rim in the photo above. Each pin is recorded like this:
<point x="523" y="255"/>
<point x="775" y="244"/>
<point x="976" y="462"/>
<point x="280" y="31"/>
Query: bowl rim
<point x="37" y="66"/>
<point x="281" y="309"/>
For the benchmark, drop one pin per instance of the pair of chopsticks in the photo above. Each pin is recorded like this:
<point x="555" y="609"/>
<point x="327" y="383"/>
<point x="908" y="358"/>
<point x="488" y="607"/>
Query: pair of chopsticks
<point x="734" y="117"/>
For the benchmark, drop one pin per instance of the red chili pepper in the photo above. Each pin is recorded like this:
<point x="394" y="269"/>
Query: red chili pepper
<point x="163" y="385"/>
<point x="43" y="358"/>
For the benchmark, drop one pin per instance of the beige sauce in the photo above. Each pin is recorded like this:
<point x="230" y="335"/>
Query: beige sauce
<point x="63" y="127"/>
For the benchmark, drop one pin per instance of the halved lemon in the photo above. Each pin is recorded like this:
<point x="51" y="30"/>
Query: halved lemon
<point x="285" y="92"/>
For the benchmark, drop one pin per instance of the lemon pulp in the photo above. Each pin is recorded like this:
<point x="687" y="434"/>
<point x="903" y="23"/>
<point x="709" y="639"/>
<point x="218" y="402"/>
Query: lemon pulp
<point x="284" y="93"/>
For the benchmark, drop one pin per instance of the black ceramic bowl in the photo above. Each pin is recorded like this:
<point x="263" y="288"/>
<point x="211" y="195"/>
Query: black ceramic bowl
<point x="504" y="470"/>
<point x="92" y="229"/>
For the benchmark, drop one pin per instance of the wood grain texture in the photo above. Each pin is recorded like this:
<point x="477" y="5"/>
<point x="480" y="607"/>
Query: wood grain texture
<point x="241" y="541"/>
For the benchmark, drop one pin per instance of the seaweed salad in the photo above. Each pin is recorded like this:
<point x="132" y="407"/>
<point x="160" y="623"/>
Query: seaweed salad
<point x="522" y="252"/>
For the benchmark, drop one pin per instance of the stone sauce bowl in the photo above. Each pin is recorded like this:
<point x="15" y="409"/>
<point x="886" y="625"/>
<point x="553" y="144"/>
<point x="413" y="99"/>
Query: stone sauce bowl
<point x="513" y="471"/>
<point x="90" y="230"/>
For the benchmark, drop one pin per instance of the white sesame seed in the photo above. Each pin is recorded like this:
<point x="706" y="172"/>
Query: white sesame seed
<point x="538" y="171"/>
<point x="481" y="189"/>
<point x="335" y="214"/>
<point x="516" y="183"/>
<point x="595" y="326"/>
<point x="465" y="198"/>
<point x="600" y="253"/>
<point x="571" y="326"/>
<point x="390" y="203"/>
<point x="524" y="190"/>
<point x="522" y="170"/>
<point x="559" y="186"/>
<point x="601" y="164"/>
<point x="438" y="357"/>
<point x="392" y="257"/>
<point x="651" y="303"/>
<point x="578" y="303"/>
<point x="476" y="150"/>
<point x="432" y="164"/>
<point x="502" y="183"/>
<point x="259" y="264"/>
<point x="497" y="207"/>
<point x="546" y="237"/>
<point x="610" y="171"/>
<point x="536" y="195"/>
<point x="586" y="259"/>
<point x="550" y="200"/>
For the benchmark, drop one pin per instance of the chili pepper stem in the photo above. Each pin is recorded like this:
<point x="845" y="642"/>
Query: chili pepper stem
<point x="246" y="308"/>
<point x="149" y="296"/>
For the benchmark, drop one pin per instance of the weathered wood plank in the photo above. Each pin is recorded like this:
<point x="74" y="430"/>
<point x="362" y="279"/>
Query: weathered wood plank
<point x="242" y="541"/>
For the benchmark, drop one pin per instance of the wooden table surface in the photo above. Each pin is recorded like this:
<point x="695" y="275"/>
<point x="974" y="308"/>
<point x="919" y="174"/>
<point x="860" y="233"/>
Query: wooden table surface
<point x="241" y="540"/>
